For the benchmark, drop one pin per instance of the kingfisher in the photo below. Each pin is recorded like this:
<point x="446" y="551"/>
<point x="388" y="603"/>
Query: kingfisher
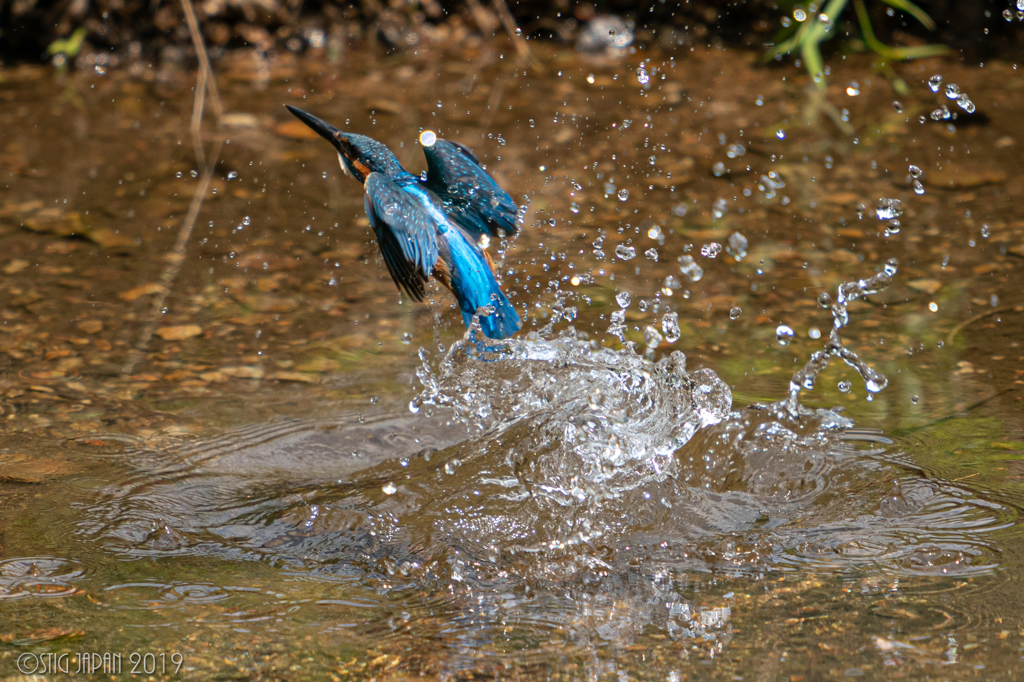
<point x="422" y="235"/>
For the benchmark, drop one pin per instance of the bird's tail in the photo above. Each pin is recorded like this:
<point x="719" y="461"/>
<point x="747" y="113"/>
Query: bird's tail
<point x="500" y="324"/>
<point x="474" y="285"/>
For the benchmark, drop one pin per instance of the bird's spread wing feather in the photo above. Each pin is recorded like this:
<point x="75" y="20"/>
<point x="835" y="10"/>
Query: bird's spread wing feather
<point x="473" y="198"/>
<point x="405" y="231"/>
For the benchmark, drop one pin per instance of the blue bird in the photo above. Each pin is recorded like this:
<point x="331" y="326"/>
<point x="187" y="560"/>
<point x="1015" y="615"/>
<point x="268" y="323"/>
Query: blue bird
<point x="472" y="198"/>
<point x="417" y="238"/>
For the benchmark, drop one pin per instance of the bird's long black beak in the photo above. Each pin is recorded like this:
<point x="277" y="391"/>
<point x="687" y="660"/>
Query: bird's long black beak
<point x="320" y="126"/>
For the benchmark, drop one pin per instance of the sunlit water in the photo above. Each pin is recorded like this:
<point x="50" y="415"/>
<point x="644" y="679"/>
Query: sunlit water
<point x="662" y="477"/>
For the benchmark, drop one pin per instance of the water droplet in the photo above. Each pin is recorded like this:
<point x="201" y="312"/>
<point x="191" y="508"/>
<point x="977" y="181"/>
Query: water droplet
<point x="933" y="306"/>
<point x="688" y="266"/>
<point x="735" y="151"/>
<point x="1020" y="5"/>
<point x="623" y="299"/>
<point x="533" y="123"/>
<point x="590" y="79"/>
<point x="845" y="386"/>
<point x="718" y="169"/>
<point x="623" y="194"/>
<point x="799" y="14"/>
<point x="814" y="333"/>
<point x="1008" y="15"/>
<point x="679" y="210"/>
<point x="898" y="106"/>
<point x="653" y="159"/>
<point x="915" y="399"/>
<point x="232" y="175"/>
<point x="652" y="254"/>
<point x="389" y="488"/>
<point x="786" y="22"/>
<point x="916" y="171"/>
<point x="735" y="313"/>
<point x="935" y="82"/>
<point x="737" y="246"/>
<point x="918" y="187"/>
<point x="670" y="325"/>
<point x="718" y="208"/>
<point x="711" y="250"/>
<point x="892" y="227"/>
<point x="652" y="337"/>
<point x="625" y="252"/>
<point x="642" y="76"/>
<point x="654" y="232"/>
<point x="887" y="209"/>
<point x="451" y="465"/>
<point x="985" y="231"/>
<point x="784" y="334"/>
<point x="824" y="300"/>
<point x="428" y="138"/>
<point x="952" y="91"/>
<point x="853" y="88"/>
<point x="781" y="134"/>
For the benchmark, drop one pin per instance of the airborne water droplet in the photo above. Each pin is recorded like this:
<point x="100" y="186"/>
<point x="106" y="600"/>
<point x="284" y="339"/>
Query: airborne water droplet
<point x="389" y="488"/>
<point x="737" y="246"/>
<point x="688" y="266"/>
<point x="784" y="334"/>
<point x="623" y="194"/>
<point x="711" y="250"/>
<point x="625" y="252"/>
<point x="935" y="82"/>
<point x="735" y="313"/>
<point x="623" y="299"/>
<point x="888" y="209"/>
<point x="670" y="325"/>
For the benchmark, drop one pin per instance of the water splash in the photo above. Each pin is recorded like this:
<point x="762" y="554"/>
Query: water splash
<point x="845" y="295"/>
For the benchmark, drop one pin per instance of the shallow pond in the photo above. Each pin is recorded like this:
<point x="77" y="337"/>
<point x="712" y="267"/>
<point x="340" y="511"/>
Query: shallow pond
<point x="277" y="468"/>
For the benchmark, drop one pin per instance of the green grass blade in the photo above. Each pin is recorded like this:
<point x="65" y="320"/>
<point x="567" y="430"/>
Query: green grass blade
<point x="914" y="11"/>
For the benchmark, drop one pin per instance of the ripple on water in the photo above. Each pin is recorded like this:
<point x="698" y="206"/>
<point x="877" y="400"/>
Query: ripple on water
<point x="592" y="486"/>
<point x="152" y="596"/>
<point x="27" y="577"/>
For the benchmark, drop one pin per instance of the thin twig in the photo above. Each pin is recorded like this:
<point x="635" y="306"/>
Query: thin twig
<point x="206" y="86"/>
<point x="509" y="22"/>
<point x="981" y="316"/>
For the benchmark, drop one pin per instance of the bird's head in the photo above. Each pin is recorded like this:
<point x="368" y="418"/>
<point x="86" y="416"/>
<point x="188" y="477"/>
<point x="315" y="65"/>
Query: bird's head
<point x="359" y="155"/>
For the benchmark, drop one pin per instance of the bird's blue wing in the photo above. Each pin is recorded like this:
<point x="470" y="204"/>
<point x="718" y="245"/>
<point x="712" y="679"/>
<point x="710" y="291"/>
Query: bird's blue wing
<point x="406" y="233"/>
<point x="472" y="198"/>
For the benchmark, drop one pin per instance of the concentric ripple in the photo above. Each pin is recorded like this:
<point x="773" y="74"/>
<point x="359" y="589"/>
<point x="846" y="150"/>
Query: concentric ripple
<point x="590" y="485"/>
